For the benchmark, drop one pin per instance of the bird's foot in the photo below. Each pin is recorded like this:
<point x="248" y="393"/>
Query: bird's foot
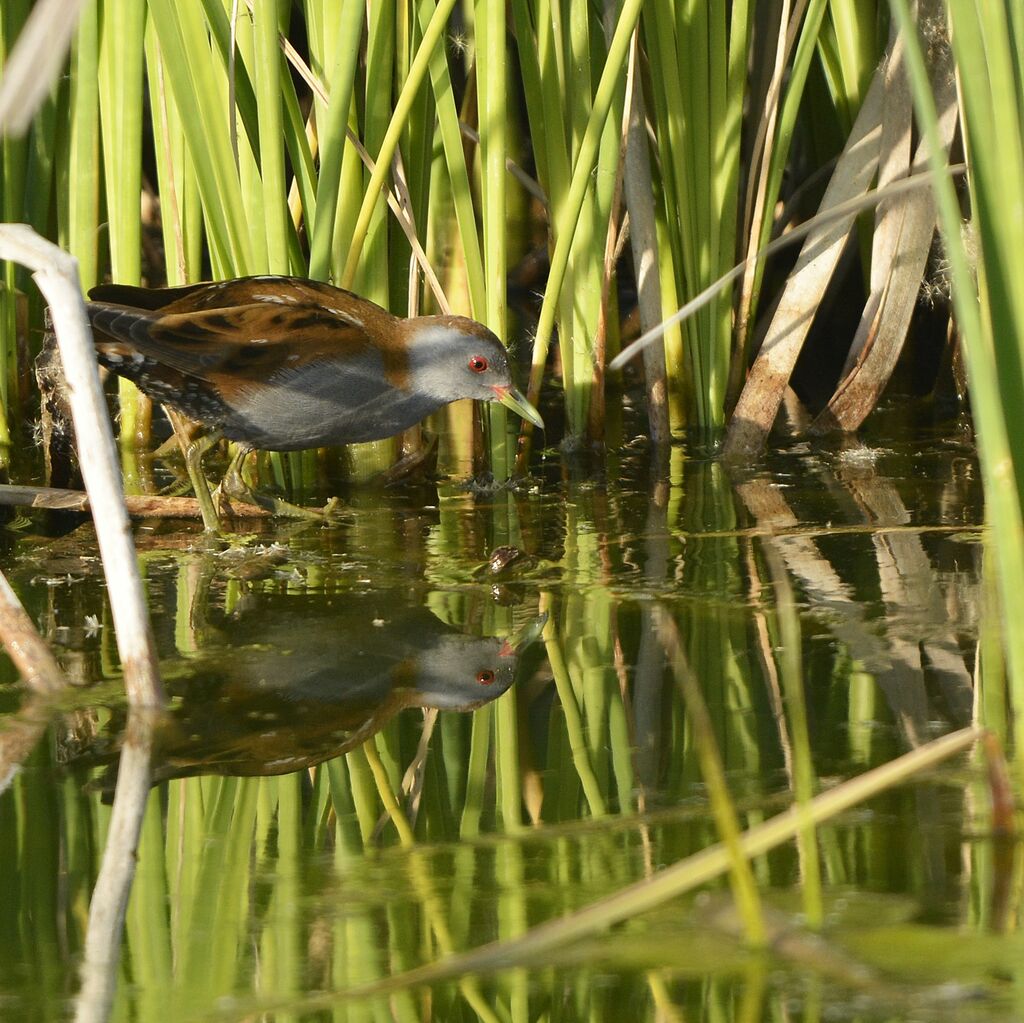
<point x="233" y="487"/>
<point x="330" y="513"/>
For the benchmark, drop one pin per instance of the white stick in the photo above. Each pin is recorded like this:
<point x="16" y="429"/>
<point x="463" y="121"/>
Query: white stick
<point x="102" y="960"/>
<point x="56" y="273"/>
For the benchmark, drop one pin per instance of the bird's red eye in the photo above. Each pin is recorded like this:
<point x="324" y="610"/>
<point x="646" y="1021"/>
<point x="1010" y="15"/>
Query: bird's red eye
<point x="477" y="363"/>
<point x="485" y="678"/>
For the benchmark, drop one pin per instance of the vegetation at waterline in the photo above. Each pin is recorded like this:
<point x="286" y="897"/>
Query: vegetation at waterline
<point x="437" y="156"/>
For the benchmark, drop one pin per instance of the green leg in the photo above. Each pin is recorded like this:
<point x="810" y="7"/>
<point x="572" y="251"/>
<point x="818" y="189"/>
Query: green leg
<point x="194" y="450"/>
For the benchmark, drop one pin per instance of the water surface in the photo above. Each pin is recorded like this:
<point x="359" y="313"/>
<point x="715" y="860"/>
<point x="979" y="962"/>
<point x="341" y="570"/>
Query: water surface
<point x="316" y="825"/>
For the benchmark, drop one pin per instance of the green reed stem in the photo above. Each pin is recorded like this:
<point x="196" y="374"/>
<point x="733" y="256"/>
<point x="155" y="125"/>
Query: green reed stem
<point x="612" y="76"/>
<point x="417" y="73"/>
<point x="267" y="68"/>
<point x="120" y="95"/>
<point x="332" y="138"/>
<point x="458" y="174"/>
<point x="83" y="182"/>
<point x="184" y="42"/>
<point x="987" y="43"/>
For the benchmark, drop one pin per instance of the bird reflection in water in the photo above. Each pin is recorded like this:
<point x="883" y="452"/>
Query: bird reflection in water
<point x="294" y="684"/>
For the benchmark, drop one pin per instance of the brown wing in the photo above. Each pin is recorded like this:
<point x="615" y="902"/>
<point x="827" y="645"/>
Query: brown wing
<point x="239" y="291"/>
<point x="249" y="340"/>
<point x="268" y="290"/>
<point x="252" y="340"/>
<point x="143" y="298"/>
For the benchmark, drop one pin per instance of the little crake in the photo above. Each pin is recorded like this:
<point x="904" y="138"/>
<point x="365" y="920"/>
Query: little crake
<point x="282" y="363"/>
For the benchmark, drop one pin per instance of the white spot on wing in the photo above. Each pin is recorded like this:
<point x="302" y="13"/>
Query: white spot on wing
<point x="345" y="315"/>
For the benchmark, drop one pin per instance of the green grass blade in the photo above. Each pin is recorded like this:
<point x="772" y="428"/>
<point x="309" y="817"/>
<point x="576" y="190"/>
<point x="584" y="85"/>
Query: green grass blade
<point x="269" y="103"/>
<point x="332" y="138"/>
<point x="185" y="46"/>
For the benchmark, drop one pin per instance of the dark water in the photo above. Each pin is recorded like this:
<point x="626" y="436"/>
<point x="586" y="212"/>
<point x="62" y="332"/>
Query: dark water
<point x="316" y="827"/>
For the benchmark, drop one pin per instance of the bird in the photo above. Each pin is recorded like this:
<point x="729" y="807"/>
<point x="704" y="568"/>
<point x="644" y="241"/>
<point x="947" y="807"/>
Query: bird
<point x="285" y="364"/>
<point x="294" y="679"/>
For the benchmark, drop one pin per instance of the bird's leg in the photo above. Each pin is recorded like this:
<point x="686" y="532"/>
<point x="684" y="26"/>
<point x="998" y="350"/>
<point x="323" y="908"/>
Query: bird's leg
<point x="193" y="449"/>
<point x="234" y="485"/>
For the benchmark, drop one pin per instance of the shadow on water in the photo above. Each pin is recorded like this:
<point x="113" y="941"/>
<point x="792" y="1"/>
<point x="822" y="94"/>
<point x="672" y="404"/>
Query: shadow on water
<point x="315" y="828"/>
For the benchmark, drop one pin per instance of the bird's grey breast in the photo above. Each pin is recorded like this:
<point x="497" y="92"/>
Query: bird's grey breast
<point x="319" y="403"/>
